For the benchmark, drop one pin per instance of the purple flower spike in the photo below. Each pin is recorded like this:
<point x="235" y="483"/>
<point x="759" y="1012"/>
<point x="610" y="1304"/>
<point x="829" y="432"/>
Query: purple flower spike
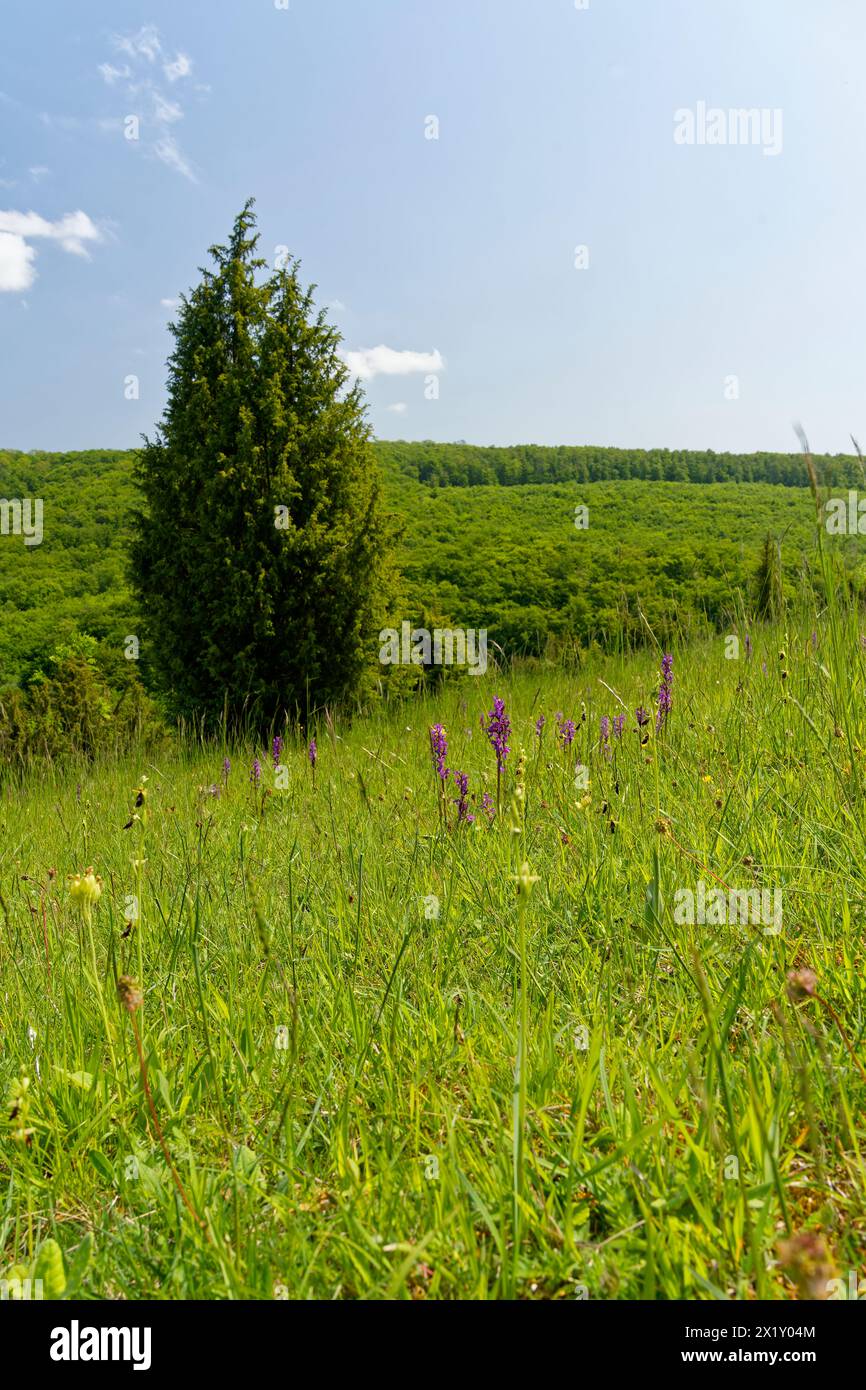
<point x="439" y="749"/>
<point x="665" y="690"/>
<point x="565" y="729"/>
<point x="462" y="801"/>
<point x="604" y="726"/>
<point x="498" y="730"/>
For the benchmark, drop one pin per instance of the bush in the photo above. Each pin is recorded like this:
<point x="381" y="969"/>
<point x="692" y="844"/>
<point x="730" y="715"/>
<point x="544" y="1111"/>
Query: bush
<point x="70" y="708"/>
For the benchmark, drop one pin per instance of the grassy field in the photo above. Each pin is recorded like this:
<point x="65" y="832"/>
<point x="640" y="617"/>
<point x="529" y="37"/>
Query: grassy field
<point x="379" y="1058"/>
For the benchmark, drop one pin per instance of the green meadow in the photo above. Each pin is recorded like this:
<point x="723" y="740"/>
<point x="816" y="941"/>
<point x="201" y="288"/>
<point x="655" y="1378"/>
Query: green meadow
<point x="383" y="1051"/>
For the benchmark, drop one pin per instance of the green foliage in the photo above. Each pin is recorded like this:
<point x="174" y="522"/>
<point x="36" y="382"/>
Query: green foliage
<point x="70" y="709"/>
<point x="75" y="580"/>
<point x="676" y="558"/>
<point x="247" y="606"/>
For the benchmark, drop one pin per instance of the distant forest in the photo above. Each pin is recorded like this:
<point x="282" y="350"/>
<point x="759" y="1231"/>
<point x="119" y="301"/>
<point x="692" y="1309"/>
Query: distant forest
<point x="468" y="465"/>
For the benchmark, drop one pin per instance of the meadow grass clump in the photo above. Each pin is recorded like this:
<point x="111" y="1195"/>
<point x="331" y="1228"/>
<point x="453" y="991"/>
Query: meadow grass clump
<point x="338" y="1025"/>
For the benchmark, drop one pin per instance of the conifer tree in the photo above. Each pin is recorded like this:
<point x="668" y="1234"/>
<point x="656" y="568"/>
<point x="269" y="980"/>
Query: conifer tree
<point x="769" y="590"/>
<point x="259" y="554"/>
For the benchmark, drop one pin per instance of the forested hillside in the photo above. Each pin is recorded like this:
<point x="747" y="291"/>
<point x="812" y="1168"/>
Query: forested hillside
<point x="474" y="552"/>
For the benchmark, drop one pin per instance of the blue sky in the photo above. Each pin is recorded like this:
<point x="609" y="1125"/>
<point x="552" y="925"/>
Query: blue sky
<point x="724" y="291"/>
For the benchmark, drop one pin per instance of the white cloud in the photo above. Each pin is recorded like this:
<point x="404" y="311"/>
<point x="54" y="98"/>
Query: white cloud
<point x="16" y="263"/>
<point x="72" y="230"/>
<point x="384" y="361"/>
<point x="181" y="67"/>
<point x="170" y="303"/>
<point x="141" y="84"/>
<point x="144" y="44"/>
<point x="17" y="229"/>
<point x="37" y="172"/>
<point x="165" y="112"/>
<point x="168" y="151"/>
<point x="111" y="74"/>
<point x="398" y="408"/>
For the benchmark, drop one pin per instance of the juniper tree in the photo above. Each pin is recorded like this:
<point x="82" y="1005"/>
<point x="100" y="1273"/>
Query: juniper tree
<point x="769" y="583"/>
<point x="259" y="555"/>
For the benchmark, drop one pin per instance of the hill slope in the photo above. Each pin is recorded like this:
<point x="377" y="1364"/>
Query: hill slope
<point x="481" y="546"/>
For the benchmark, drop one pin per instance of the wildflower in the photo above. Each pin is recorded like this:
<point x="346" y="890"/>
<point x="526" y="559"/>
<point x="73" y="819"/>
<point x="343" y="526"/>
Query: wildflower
<point x="19" y="1109"/>
<point x="85" y="890"/>
<point x="312" y="753"/>
<point x="604" y="726"/>
<point x="488" y="807"/>
<point x="439" y="749"/>
<point x="808" y="1262"/>
<point x="539" y="725"/>
<point x="801" y="984"/>
<point x="642" y="716"/>
<point x="748" y="644"/>
<point x="227" y="767"/>
<point x="665" y="696"/>
<point x="565" y="729"/>
<point x="462" y="800"/>
<point x="256" y="774"/>
<point x="129" y="994"/>
<point x="498" y="731"/>
<point x="276" y="749"/>
<point x="518" y="803"/>
<point x="618" y="725"/>
<point x="525" y="880"/>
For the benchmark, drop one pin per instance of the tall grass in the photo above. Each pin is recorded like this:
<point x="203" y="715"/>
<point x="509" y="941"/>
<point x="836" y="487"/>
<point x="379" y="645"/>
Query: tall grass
<point x="371" y="1066"/>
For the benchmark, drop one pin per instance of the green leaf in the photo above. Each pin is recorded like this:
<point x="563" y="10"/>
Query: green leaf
<point x="102" y="1165"/>
<point x="49" y="1268"/>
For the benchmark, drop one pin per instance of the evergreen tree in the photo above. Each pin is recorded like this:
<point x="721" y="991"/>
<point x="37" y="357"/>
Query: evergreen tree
<point x="768" y="580"/>
<point x="259" y="557"/>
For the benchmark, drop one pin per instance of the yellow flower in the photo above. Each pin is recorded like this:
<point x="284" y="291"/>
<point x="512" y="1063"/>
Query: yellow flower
<point x="85" y="890"/>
